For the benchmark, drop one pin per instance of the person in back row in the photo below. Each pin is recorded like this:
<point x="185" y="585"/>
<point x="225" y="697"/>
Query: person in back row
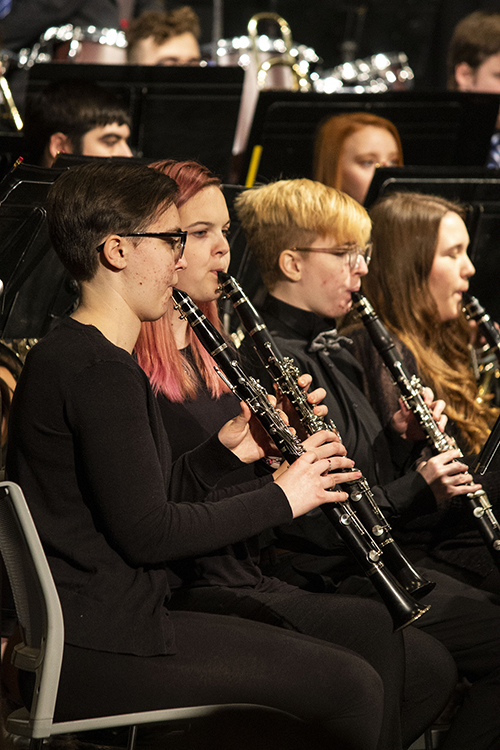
<point x="75" y="117"/>
<point x="474" y="63"/>
<point x="170" y="38"/>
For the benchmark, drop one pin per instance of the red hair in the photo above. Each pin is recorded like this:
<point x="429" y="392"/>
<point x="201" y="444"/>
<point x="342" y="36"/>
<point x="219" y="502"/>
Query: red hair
<point x="331" y="137"/>
<point x="168" y="370"/>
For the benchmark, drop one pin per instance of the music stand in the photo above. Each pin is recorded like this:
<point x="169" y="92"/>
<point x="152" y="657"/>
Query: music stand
<point x="37" y="288"/>
<point x="176" y="112"/>
<point x="436" y="128"/>
<point x="463" y="184"/>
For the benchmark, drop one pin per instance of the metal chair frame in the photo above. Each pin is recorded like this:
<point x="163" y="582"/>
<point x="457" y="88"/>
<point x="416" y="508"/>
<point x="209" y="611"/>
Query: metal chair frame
<point x="42" y="627"/>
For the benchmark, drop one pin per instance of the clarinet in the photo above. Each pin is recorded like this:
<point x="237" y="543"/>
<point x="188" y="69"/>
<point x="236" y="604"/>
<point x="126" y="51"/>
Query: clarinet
<point x="411" y="394"/>
<point x="474" y="311"/>
<point x="404" y="609"/>
<point x="284" y="372"/>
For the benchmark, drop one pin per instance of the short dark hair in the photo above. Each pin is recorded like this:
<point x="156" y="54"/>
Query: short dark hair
<point x="88" y="203"/>
<point x="476" y="37"/>
<point x="72" y="108"/>
<point x="162" y="26"/>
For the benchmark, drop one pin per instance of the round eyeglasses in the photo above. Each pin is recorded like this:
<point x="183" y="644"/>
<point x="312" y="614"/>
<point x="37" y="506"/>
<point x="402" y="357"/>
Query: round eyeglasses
<point x="351" y="253"/>
<point x="176" y="240"/>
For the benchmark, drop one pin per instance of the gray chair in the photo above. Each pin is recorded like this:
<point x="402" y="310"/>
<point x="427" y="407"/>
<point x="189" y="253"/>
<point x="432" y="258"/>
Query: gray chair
<point x="42" y="628"/>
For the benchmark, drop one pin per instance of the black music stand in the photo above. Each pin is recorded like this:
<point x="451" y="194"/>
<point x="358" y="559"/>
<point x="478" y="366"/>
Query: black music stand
<point x="463" y="184"/>
<point x="177" y="112"/>
<point x="37" y="288"/>
<point x="436" y="128"/>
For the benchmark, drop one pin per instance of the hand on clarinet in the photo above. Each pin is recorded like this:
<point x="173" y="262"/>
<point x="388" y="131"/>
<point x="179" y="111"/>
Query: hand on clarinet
<point x="308" y="482"/>
<point x="246" y="438"/>
<point x="447" y="477"/>
<point x="314" y="398"/>
<point x="405" y="423"/>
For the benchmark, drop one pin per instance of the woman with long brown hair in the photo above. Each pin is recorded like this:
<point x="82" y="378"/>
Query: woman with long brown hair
<point x="419" y="272"/>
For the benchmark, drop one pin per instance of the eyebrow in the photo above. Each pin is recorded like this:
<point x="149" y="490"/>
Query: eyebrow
<point x="205" y="224"/>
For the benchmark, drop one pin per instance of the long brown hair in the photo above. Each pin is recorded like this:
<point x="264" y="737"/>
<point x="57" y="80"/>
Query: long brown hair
<point x="330" y="139"/>
<point x="405" y="235"/>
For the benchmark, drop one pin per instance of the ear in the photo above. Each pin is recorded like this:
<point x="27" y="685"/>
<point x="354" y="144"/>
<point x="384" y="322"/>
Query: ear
<point x="290" y="263"/>
<point x="115" y="252"/>
<point x="464" y="76"/>
<point x="59" y="143"/>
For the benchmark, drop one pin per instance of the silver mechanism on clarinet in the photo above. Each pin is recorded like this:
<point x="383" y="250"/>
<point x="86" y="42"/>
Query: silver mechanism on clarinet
<point x="403" y="608"/>
<point x="486" y="361"/>
<point x="411" y="392"/>
<point x="285" y="373"/>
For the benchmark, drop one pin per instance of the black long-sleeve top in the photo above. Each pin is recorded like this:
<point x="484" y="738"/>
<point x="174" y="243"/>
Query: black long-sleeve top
<point x="380" y="454"/>
<point x="88" y="447"/>
<point x="188" y="424"/>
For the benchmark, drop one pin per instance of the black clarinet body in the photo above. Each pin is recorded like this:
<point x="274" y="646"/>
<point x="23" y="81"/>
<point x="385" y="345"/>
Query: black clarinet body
<point x="285" y="373"/>
<point x="473" y="310"/>
<point x="404" y="609"/>
<point x="411" y="394"/>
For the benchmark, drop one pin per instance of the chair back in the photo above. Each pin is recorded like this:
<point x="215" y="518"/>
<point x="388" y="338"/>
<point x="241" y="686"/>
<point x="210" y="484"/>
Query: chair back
<point x="37" y="604"/>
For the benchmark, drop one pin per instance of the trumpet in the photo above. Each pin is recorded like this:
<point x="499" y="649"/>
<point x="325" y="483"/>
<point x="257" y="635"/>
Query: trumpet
<point x="403" y="608"/>
<point x="285" y="373"/>
<point x="411" y="392"/>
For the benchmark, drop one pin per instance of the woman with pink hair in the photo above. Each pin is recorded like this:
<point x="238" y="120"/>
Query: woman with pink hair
<point x="193" y="402"/>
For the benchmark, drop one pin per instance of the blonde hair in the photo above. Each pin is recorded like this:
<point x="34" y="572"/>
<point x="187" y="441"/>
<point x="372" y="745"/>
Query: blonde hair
<point x="294" y="213"/>
<point x="331" y="137"/>
<point x="405" y="235"/>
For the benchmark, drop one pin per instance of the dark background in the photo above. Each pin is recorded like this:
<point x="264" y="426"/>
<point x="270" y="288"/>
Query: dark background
<point x="421" y="28"/>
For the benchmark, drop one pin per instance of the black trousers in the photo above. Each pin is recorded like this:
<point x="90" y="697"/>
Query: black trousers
<point x="233" y="660"/>
<point x="466" y="621"/>
<point x="416" y="671"/>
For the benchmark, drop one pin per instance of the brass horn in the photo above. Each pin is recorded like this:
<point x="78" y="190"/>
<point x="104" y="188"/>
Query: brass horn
<point x="301" y="80"/>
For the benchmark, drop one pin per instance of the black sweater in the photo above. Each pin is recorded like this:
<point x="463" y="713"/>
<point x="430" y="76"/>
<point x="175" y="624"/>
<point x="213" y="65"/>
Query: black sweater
<point x="88" y="447"/>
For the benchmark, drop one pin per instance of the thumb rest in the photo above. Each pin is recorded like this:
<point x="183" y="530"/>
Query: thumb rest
<point x="285" y="373"/>
<point x="404" y="609"/>
<point x="410" y="388"/>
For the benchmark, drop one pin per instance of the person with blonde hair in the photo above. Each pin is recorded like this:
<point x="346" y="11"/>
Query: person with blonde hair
<point x="349" y="147"/>
<point x="230" y="581"/>
<point x="311" y="244"/>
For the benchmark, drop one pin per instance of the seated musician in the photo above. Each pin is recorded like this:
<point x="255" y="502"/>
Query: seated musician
<point x="310" y="243"/>
<point x="170" y="38"/>
<point x="87" y="446"/>
<point x="75" y="117"/>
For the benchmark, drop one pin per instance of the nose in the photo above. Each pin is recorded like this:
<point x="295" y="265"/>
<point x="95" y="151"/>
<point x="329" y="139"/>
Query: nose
<point x="221" y="245"/>
<point x="361" y="268"/>
<point x="123" y="149"/>
<point x="181" y="263"/>
<point x="468" y="268"/>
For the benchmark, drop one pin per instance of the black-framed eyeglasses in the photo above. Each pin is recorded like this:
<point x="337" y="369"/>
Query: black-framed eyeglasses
<point x="352" y="253"/>
<point x="176" y="240"/>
